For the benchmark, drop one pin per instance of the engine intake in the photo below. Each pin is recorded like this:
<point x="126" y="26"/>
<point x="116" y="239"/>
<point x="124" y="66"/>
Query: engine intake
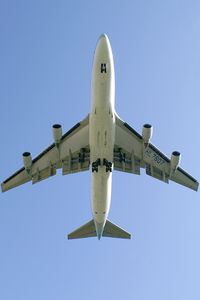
<point x="27" y="160"/>
<point x="57" y="133"/>
<point x="175" y="160"/>
<point x="147" y="132"/>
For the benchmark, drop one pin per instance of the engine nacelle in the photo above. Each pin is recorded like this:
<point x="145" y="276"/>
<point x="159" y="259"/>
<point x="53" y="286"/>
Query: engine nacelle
<point x="57" y="133"/>
<point x="175" y="160"/>
<point x="147" y="132"/>
<point x="27" y="160"/>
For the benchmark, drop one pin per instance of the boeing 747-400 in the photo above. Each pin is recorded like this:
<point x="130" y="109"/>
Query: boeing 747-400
<point x="101" y="142"/>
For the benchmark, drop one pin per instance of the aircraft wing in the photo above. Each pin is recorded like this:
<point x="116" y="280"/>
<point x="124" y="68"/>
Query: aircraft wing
<point x="72" y="154"/>
<point x="131" y="154"/>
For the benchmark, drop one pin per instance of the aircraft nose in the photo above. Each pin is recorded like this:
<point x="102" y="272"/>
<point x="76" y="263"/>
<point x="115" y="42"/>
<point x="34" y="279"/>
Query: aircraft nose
<point x="103" y="36"/>
<point x="103" y="39"/>
<point x="103" y="45"/>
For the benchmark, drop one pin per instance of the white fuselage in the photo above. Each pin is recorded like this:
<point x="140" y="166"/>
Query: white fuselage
<point x="102" y="130"/>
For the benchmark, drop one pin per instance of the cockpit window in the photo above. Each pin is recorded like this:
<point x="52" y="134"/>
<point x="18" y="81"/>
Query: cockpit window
<point x="103" y="68"/>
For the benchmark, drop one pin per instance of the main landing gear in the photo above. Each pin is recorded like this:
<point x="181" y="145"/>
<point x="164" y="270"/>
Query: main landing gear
<point x="108" y="165"/>
<point x="97" y="163"/>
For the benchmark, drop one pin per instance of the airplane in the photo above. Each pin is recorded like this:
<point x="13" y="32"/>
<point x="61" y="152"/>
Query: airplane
<point x="101" y="142"/>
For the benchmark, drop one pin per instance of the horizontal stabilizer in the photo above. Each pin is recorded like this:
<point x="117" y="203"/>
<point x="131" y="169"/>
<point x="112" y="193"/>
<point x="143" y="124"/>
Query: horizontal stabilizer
<point x="112" y="230"/>
<point x="87" y="230"/>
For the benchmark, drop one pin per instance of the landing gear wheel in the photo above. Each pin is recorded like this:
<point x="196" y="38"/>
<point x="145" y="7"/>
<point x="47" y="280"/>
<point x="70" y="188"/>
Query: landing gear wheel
<point x="95" y="165"/>
<point x="108" y="165"/>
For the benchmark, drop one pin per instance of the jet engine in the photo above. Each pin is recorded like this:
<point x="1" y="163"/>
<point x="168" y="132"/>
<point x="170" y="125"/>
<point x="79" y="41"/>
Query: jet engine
<point x="27" y="159"/>
<point x="57" y="133"/>
<point x="175" y="160"/>
<point x="147" y="132"/>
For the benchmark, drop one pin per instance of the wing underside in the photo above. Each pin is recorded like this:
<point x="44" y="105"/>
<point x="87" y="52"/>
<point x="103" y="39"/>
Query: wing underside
<point x="131" y="154"/>
<point x="72" y="155"/>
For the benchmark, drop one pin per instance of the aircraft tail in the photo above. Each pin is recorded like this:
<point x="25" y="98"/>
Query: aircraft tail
<point x="112" y="230"/>
<point x="89" y="230"/>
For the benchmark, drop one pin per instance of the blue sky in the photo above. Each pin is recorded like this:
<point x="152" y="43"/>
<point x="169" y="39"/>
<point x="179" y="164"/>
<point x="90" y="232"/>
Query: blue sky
<point x="46" y="57"/>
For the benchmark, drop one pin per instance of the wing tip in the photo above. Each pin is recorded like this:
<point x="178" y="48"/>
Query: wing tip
<point x="3" y="188"/>
<point x="197" y="186"/>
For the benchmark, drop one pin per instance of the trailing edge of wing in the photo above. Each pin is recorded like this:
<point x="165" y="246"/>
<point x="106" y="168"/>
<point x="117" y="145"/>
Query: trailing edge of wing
<point x="72" y="156"/>
<point x="130" y="155"/>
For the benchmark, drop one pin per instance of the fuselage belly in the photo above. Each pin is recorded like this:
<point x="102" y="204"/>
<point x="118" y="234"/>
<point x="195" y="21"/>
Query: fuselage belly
<point x="102" y="131"/>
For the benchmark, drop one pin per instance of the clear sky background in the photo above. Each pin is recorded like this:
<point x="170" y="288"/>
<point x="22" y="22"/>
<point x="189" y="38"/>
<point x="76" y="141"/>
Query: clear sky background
<point x="46" y="56"/>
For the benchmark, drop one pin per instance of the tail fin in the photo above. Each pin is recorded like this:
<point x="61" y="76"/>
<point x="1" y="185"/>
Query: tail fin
<point x="89" y="230"/>
<point x="84" y="231"/>
<point x="112" y="230"/>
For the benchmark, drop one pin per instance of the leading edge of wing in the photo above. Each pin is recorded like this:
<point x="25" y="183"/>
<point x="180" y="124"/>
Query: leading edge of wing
<point x="188" y="175"/>
<point x="5" y="184"/>
<point x="194" y="183"/>
<point x="163" y="156"/>
<point x="53" y="144"/>
<point x="42" y="153"/>
<point x="150" y="145"/>
<point x="132" y="130"/>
